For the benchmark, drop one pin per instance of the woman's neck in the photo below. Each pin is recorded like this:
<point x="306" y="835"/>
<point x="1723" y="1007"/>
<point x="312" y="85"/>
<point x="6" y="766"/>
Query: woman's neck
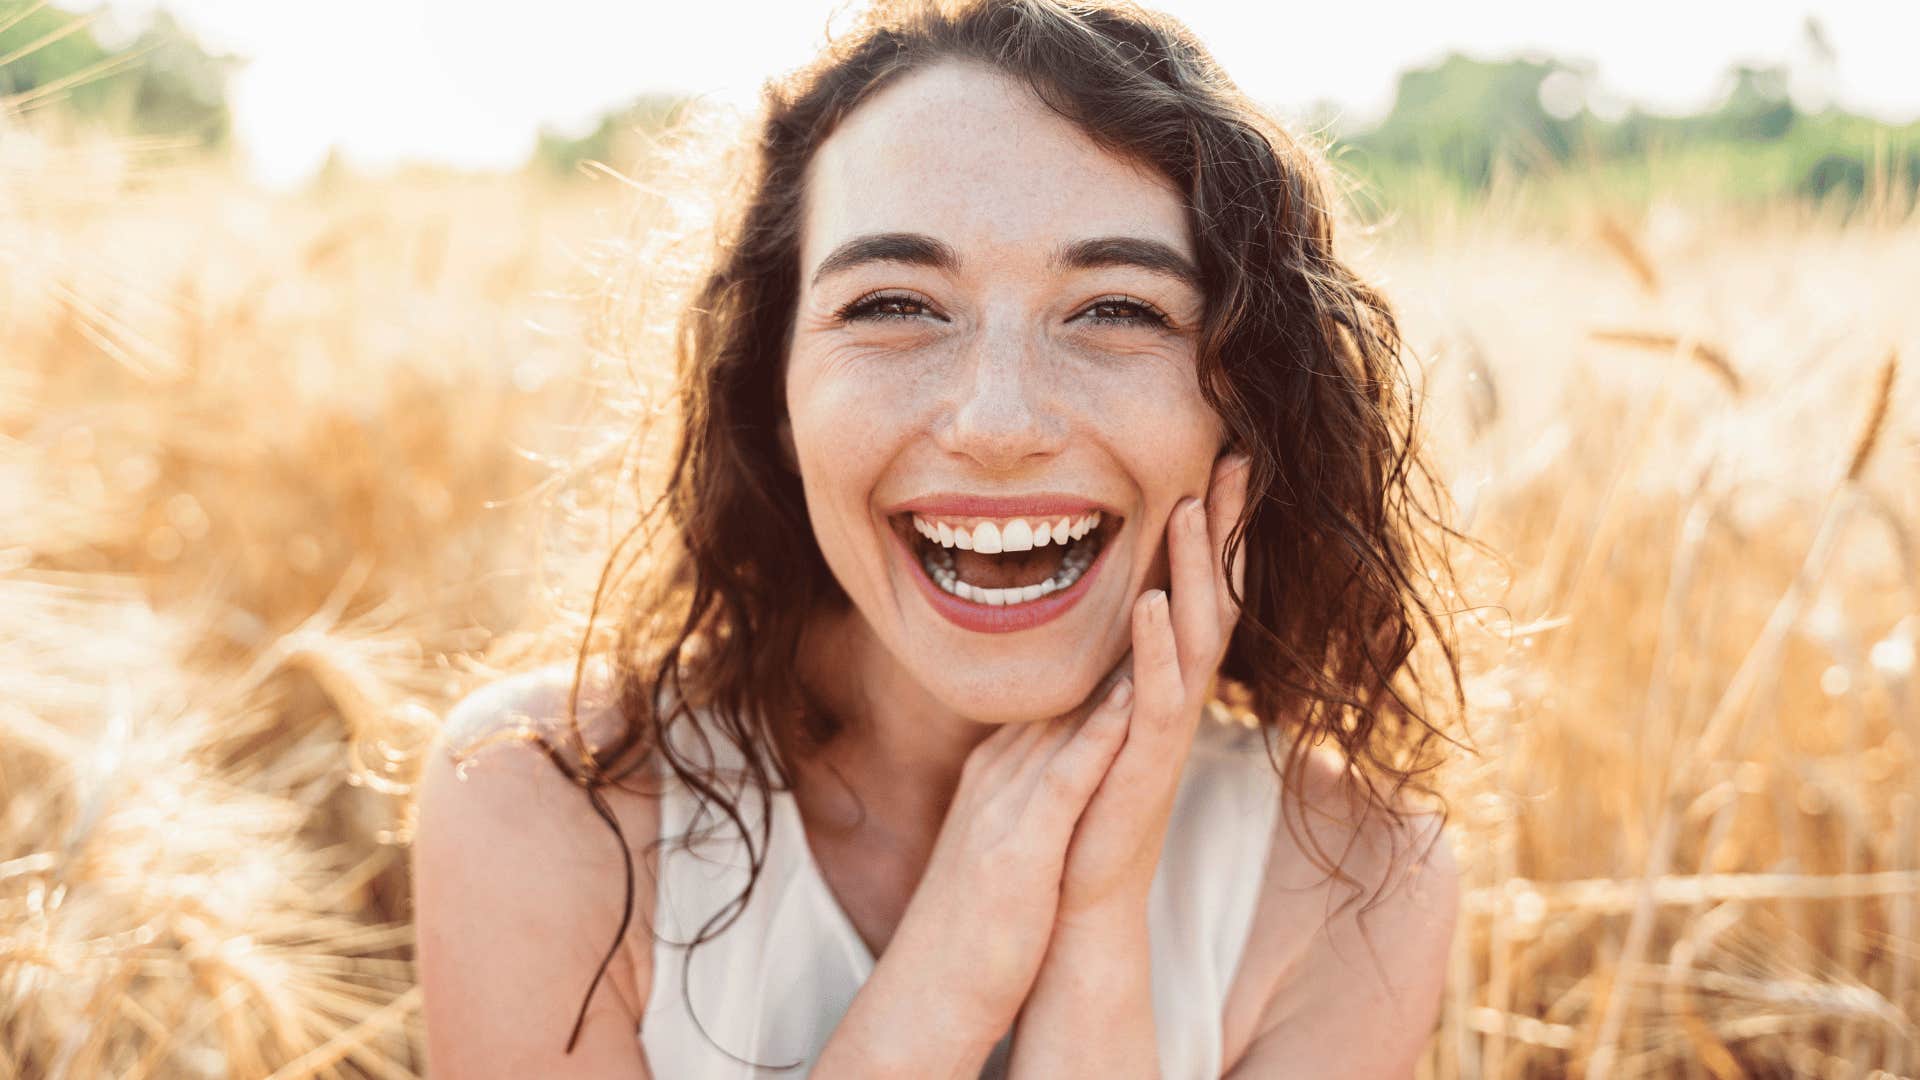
<point x="899" y="751"/>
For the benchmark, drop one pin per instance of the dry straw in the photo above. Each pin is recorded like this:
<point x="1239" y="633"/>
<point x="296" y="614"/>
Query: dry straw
<point x="268" y="506"/>
<point x="1709" y="356"/>
<point x="1876" y="418"/>
<point x="1625" y="246"/>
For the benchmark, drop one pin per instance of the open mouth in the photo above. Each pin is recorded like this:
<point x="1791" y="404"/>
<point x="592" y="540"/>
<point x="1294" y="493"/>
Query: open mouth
<point x="1006" y="562"/>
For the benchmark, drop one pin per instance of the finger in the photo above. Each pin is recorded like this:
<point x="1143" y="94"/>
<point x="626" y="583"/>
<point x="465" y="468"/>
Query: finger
<point x="999" y="755"/>
<point x="1035" y="733"/>
<point x="1067" y="726"/>
<point x="1226" y="501"/>
<point x="1196" y="606"/>
<point x="1159" y="691"/>
<point x="1073" y="772"/>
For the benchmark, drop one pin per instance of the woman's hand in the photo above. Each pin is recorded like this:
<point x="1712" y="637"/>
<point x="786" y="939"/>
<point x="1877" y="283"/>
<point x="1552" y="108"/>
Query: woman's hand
<point x="1177" y="647"/>
<point x="1091" y="1009"/>
<point x="1050" y="844"/>
<point x="954" y="975"/>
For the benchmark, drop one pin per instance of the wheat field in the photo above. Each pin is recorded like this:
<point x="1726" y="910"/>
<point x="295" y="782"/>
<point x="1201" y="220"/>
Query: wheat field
<point x="282" y="475"/>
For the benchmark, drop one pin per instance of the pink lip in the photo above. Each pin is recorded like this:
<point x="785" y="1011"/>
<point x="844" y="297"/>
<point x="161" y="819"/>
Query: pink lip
<point x="1040" y="504"/>
<point x="984" y="618"/>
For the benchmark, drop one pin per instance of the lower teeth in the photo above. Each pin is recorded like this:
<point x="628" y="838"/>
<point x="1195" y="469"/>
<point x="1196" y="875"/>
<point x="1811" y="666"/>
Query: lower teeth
<point x="1073" y="564"/>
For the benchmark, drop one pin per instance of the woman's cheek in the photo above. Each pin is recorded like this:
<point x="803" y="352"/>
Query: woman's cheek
<point x="1148" y="407"/>
<point x="850" y="420"/>
<point x="874" y="374"/>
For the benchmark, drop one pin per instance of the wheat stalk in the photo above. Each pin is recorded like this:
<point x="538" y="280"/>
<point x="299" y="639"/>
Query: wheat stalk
<point x="1618" y="896"/>
<point x="1626" y="247"/>
<point x="1706" y="354"/>
<point x="1876" y="418"/>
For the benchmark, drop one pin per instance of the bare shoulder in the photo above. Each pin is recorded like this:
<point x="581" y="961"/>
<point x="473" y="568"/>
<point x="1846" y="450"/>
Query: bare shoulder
<point x="1344" y="977"/>
<point x="531" y="700"/>
<point x="519" y="885"/>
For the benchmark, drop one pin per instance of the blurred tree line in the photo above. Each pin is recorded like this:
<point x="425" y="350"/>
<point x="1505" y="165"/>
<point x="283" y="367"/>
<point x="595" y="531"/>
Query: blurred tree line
<point x="158" y="82"/>
<point x="619" y="139"/>
<point x="1458" y="132"/>
<point x="1465" y="126"/>
<point x="1466" y="129"/>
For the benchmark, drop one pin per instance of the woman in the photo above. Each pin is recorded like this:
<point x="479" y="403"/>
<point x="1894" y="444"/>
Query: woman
<point x="1026" y="397"/>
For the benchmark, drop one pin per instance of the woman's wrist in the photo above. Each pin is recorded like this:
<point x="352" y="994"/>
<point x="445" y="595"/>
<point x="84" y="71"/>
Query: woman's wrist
<point x="911" y="1020"/>
<point x="1099" y="950"/>
<point x="1120" y="914"/>
<point x="1091" y="1010"/>
<point x="902" y="1031"/>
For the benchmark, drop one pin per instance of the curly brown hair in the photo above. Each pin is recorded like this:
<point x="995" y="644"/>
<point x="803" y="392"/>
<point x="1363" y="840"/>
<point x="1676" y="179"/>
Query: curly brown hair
<point x="1343" y="532"/>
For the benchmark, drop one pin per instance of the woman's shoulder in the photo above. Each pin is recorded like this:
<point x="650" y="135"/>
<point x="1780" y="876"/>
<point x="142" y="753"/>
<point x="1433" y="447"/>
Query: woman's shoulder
<point x="1334" y="959"/>
<point x="533" y="700"/>
<point x="507" y="746"/>
<point x="518" y="879"/>
<point x="509" y="743"/>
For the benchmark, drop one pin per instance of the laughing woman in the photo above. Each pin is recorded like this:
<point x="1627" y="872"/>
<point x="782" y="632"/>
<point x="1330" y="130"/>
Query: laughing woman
<point x="1028" y="417"/>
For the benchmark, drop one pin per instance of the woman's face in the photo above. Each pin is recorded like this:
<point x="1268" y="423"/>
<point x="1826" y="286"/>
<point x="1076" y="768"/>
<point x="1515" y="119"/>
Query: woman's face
<point x="994" y="347"/>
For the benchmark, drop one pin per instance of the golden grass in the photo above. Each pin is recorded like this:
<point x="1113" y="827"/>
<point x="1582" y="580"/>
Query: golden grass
<point x="277" y="484"/>
<point x="1717" y="733"/>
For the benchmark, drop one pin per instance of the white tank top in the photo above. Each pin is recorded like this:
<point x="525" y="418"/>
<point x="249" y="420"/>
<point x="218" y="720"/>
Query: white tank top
<point x="773" y="986"/>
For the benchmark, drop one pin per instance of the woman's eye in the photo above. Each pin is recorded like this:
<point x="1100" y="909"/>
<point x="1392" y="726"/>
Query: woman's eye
<point x="884" y="307"/>
<point x="1125" y="313"/>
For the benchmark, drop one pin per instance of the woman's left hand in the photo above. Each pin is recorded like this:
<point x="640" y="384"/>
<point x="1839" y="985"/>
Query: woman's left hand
<point x="1178" y="644"/>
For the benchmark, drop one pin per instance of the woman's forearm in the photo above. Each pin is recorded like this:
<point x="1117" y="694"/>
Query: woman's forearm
<point x="904" y="1023"/>
<point x="1091" y="1010"/>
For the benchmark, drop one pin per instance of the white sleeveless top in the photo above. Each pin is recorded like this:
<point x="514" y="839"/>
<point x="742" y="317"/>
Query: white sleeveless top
<point x="773" y="986"/>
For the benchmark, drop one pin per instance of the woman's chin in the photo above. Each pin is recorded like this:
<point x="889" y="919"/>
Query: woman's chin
<point x="1017" y="699"/>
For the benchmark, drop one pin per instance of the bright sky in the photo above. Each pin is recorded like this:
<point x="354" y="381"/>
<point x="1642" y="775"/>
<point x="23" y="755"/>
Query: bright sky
<point x="469" y="82"/>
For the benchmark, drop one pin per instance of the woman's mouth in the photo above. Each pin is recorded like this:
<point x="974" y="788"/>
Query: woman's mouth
<point x="1012" y="562"/>
<point x="1005" y="573"/>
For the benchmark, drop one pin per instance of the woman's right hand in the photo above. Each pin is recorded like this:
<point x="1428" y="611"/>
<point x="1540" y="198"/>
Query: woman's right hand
<point x="970" y="943"/>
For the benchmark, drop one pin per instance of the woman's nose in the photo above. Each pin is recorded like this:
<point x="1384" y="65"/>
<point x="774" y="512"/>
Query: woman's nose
<point x="1003" y="411"/>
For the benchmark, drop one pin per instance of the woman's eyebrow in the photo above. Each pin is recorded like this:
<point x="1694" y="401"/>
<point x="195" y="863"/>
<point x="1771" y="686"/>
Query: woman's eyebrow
<point x="915" y="249"/>
<point x="1151" y="255"/>
<point x="918" y="249"/>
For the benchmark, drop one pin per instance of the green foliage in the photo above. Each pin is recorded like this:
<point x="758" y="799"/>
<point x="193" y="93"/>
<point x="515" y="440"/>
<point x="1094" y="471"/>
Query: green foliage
<point x="161" y="83"/>
<point x="619" y="140"/>
<point x="176" y="87"/>
<point x="1463" y="116"/>
<point x="44" y="46"/>
<point x="1465" y="128"/>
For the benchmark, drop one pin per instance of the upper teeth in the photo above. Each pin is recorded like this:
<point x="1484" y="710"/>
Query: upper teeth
<point x="1012" y="534"/>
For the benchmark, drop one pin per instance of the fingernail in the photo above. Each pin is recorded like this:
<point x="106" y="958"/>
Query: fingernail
<point x="1157" y="604"/>
<point x="1196" y="517"/>
<point x="1122" y="692"/>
